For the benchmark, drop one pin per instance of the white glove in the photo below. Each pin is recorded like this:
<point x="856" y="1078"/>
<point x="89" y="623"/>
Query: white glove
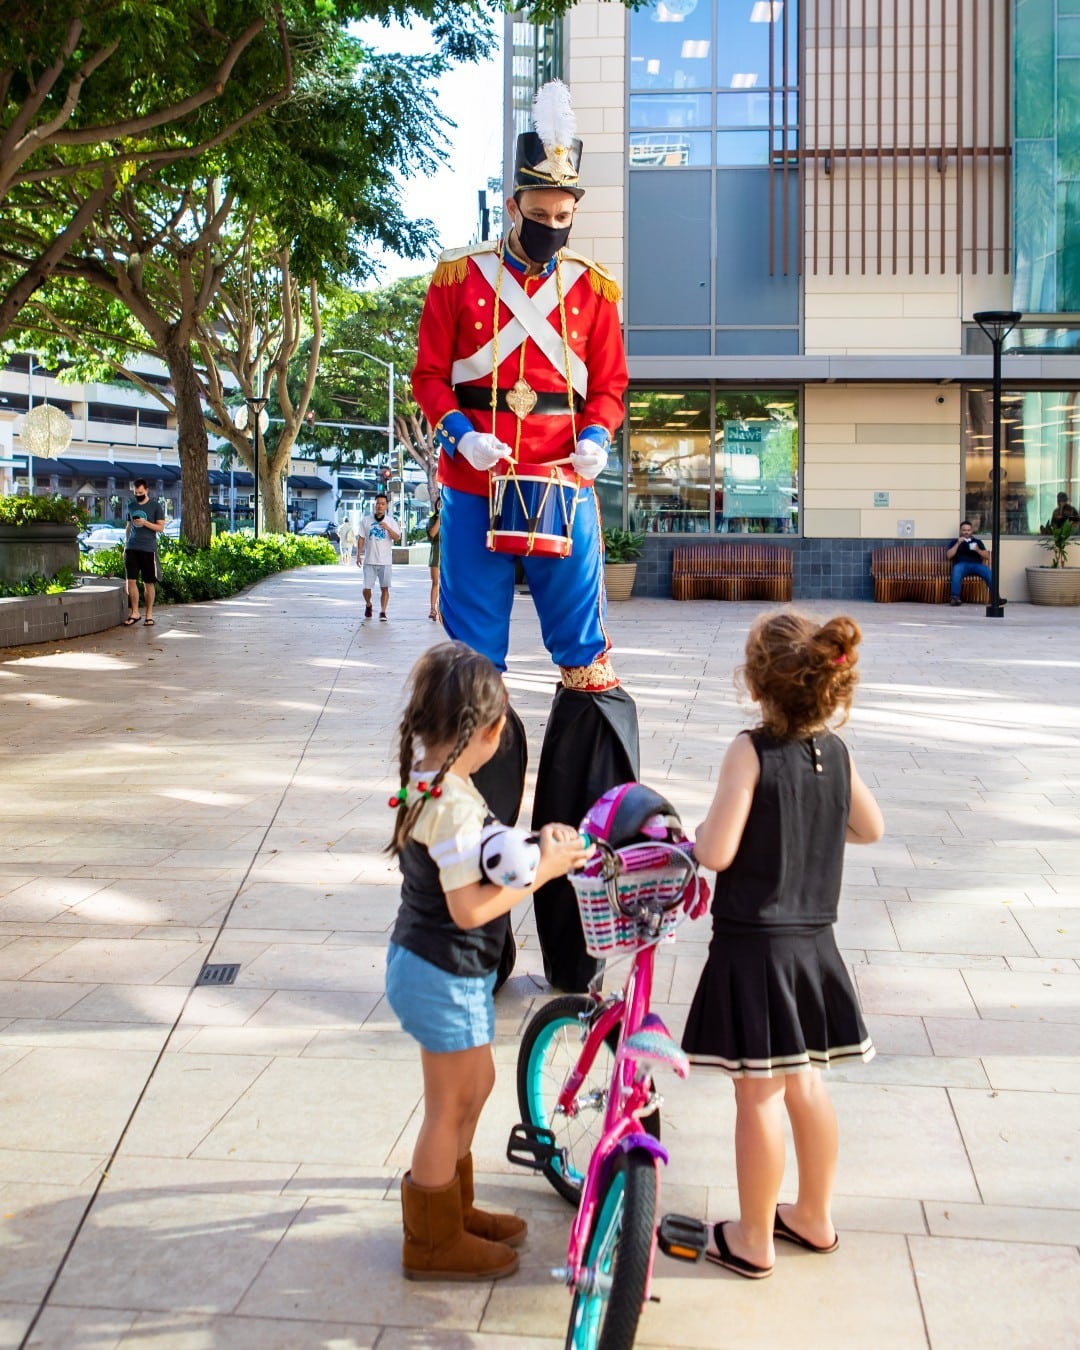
<point x="589" y="459"/>
<point x="482" y="450"/>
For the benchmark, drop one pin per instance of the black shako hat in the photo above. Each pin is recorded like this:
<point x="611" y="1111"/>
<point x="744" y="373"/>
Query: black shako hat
<point x="550" y="156"/>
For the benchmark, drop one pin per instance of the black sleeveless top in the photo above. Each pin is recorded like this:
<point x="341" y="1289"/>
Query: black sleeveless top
<point x="786" y="873"/>
<point x="425" y="927"/>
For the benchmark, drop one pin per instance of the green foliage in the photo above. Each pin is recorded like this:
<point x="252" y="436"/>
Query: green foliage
<point x="623" y="546"/>
<point x="41" y="585"/>
<point x="1058" y="540"/>
<point x="55" y="510"/>
<point x="231" y="563"/>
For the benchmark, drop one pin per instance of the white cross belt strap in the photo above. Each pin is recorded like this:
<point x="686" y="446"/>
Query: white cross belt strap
<point x="531" y="319"/>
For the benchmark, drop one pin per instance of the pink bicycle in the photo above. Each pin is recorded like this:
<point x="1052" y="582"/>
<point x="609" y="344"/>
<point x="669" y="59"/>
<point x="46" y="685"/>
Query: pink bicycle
<point x="585" y="1087"/>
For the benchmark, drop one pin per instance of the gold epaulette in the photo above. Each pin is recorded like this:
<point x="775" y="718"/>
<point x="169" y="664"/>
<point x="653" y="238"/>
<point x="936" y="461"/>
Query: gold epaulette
<point x="603" y="283"/>
<point x="454" y="262"/>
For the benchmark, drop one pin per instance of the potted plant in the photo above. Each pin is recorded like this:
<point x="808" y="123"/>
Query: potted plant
<point x="1058" y="583"/>
<point x="622" y="548"/>
<point x="38" y="536"/>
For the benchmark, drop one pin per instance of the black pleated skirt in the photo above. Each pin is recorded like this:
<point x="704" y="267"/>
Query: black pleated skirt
<point x="772" y="1003"/>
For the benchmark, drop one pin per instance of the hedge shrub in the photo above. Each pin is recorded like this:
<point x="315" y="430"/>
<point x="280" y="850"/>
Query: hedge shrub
<point x="231" y="563"/>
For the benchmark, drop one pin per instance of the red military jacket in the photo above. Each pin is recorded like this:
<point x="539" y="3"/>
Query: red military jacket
<point x="463" y="334"/>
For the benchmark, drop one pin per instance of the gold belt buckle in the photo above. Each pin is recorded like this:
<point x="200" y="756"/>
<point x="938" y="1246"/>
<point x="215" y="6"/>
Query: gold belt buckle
<point x="521" y="400"/>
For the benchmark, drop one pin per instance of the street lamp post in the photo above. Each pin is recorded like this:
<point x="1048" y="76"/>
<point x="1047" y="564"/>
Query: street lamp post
<point x="256" y="408"/>
<point x="389" y="365"/>
<point x="997" y="324"/>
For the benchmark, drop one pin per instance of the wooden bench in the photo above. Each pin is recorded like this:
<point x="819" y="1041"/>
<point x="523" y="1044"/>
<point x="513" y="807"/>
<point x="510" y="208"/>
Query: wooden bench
<point x="732" y="572"/>
<point x="920" y="572"/>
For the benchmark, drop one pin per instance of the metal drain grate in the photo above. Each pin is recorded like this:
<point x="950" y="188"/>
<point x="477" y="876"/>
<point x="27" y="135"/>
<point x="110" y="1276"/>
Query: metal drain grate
<point x="220" y="974"/>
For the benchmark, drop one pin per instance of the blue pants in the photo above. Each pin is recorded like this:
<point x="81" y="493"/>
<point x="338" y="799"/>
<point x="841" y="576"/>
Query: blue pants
<point x="476" y="586"/>
<point x="964" y="569"/>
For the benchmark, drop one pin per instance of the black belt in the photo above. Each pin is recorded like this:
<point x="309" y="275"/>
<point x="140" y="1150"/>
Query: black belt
<point x="477" y="397"/>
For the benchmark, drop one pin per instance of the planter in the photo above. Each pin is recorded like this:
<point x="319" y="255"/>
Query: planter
<point x="37" y="547"/>
<point x="619" y="580"/>
<point x="411" y="553"/>
<point x="1054" y="585"/>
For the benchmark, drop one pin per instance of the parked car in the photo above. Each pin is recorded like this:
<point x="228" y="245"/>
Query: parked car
<point x="102" y="536"/>
<point x="326" y="528"/>
<point x="172" y="529"/>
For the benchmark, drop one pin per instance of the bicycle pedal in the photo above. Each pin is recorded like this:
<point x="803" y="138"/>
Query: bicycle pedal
<point x="532" y="1146"/>
<point x="682" y="1238"/>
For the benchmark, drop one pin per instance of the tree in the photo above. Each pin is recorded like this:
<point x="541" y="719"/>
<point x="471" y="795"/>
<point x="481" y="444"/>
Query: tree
<point x="384" y="324"/>
<point x="178" y="255"/>
<point x="95" y="94"/>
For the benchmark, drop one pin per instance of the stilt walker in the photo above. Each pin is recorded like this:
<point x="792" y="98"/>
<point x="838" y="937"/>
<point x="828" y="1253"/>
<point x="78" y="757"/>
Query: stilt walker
<point x="521" y="370"/>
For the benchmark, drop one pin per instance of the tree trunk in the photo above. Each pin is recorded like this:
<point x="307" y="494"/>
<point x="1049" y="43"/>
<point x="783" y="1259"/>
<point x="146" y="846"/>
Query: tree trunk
<point x="275" y="515"/>
<point x="193" y="444"/>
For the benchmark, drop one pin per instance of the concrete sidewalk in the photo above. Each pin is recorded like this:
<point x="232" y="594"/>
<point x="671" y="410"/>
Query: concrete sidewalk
<point x="215" y="788"/>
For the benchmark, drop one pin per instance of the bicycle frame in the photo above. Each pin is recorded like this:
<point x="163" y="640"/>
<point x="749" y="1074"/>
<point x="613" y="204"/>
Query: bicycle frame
<point x="629" y="1097"/>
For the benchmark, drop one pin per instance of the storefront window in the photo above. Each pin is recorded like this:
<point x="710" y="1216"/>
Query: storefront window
<point x="699" y="465"/>
<point x="1040" y="457"/>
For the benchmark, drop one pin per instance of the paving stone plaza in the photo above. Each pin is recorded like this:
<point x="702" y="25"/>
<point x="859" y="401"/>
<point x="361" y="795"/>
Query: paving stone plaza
<point x="214" y="789"/>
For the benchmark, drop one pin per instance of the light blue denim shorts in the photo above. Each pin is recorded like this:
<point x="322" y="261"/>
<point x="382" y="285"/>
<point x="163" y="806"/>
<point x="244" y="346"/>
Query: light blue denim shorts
<point x="444" y="1012"/>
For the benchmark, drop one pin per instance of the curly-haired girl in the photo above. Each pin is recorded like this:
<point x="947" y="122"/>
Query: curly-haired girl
<point x="775" y="1004"/>
<point x="444" y="953"/>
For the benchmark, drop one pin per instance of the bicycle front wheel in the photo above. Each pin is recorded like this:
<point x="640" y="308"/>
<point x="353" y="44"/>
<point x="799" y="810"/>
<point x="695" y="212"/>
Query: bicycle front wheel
<point x="549" y="1051"/>
<point x="605" y="1313"/>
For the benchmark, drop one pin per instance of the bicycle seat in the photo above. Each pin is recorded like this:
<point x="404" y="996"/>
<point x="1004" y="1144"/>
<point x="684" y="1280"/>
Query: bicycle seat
<point x="652" y="1043"/>
<point x="632" y="813"/>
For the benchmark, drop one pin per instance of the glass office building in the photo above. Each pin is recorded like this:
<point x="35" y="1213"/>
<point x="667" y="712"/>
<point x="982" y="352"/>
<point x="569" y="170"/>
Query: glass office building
<point x="806" y="203"/>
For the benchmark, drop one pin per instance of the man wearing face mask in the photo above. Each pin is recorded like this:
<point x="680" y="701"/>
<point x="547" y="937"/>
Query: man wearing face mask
<point x="521" y="370"/>
<point x="145" y="521"/>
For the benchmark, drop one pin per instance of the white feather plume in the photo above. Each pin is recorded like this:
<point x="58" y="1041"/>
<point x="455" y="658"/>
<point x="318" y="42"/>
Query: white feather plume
<point x="553" y="114"/>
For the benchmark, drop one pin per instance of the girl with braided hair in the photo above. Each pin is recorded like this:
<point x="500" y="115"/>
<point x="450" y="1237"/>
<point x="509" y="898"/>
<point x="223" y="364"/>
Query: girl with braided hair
<point x="444" y="953"/>
<point x="775" y="1005"/>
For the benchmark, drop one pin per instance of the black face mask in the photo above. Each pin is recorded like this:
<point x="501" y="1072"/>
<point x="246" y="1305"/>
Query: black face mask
<point x="540" y="242"/>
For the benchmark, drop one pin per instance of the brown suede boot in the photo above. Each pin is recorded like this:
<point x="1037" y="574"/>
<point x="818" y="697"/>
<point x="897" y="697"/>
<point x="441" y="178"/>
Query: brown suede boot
<point x="506" y="1228"/>
<point x="436" y="1246"/>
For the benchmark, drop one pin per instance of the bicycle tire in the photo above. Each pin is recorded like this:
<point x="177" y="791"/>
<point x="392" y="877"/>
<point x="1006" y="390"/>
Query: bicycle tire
<point x="619" y="1247"/>
<point x="549" y="1050"/>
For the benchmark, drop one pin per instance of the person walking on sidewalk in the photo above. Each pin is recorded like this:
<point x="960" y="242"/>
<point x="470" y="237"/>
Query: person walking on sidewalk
<point x="775" y="1004"/>
<point x="444" y="954"/>
<point x="375" y="540"/>
<point x="145" y="521"/>
<point x="968" y="557"/>
<point x="434" y="533"/>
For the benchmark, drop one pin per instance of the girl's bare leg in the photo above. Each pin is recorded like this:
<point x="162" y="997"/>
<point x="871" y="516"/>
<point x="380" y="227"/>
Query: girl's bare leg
<point x="759" y="1166"/>
<point x="456" y="1086"/>
<point x="813" y="1126"/>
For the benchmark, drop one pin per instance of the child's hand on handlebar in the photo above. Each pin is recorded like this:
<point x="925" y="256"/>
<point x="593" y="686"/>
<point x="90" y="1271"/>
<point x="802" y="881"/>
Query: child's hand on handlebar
<point x="563" y="848"/>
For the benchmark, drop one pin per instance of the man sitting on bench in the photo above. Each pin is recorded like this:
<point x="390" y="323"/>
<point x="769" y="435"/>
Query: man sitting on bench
<point x="968" y="557"/>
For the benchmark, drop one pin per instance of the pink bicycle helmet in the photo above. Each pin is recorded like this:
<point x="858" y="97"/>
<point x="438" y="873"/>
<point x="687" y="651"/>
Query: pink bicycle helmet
<point x="632" y="813"/>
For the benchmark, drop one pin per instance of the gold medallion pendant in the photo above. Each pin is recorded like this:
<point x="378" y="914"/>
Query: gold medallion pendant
<point x="521" y="400"/>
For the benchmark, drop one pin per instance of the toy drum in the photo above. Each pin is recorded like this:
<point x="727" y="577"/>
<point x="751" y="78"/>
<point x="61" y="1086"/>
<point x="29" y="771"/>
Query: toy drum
<point x="531" y="515"/>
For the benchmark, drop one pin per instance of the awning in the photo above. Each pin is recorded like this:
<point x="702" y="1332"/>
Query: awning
<point x="349" y="484"/>
<point x="168" y="473"/>
<point x="90" y="468"/>
<point x="299" y="480"/>
<point x="222" y="478"/>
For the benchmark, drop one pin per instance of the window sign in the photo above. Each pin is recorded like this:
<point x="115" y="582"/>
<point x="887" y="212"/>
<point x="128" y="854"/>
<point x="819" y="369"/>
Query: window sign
<point x="756" y="479"/>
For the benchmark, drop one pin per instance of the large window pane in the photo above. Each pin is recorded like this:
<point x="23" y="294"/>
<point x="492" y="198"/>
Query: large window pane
<point x="757" y="463"/>
<point x="671" y="45"/>
<point x="669" y="149"/>
<point x="668" y="285"/>
<point x="732" y="468"/>
<point x="669" y="469"/>
<point x="670" y="110"/>
<point x="1040" y="456"/>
